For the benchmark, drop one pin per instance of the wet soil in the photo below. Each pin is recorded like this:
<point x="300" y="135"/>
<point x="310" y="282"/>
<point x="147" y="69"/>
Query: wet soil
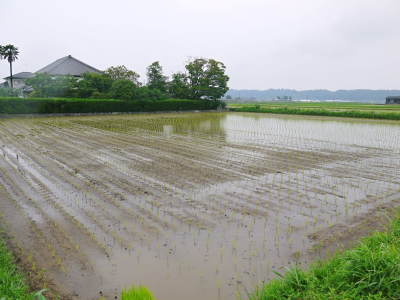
<point x="192" y="205"/>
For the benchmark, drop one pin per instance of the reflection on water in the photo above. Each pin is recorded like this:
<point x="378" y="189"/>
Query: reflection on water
<point x="380" y="134"/>
<point x="238" y="127"/>
<point x="193" y="205"/>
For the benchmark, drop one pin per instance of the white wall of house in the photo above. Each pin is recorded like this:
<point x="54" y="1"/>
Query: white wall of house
<point x="18" y="83"/>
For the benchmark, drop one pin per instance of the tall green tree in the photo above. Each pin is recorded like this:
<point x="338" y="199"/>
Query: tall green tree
<point x="156" y="78"/>
<point x="93" y="84"/>
<point x="216" y="80"/>
<point x="10" y="53"/>
<point x="123" y="73"/>
<point x="196" y="70"/>
<point x="207" y="78"/>
<point x="123" y="89"/>
<point x="178" y="87"/>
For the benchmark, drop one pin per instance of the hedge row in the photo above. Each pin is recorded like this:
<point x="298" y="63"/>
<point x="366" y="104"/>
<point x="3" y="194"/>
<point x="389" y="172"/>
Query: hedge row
<point x="47" y="106"/>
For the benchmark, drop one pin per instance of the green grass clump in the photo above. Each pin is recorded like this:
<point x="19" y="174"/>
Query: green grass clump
<point x="12" y="284"/>
<point x="137" y="293"/>
<point x="371" y="270"/>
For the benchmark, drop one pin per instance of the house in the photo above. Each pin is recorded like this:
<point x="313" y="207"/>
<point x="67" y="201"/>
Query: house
<point x="67" y="65"/>
<point x="18" y="79"/>
<point x="393" y="100"/>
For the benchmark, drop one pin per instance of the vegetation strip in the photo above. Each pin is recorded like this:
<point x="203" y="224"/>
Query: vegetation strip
<point x="368" y="271"/>
<point x="321" y="112"/>
<point x="12" y="283"/>
<point x="70" y="105"/>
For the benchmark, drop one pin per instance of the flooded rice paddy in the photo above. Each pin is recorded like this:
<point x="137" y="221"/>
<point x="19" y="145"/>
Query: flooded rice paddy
<point x="192" y="205"/>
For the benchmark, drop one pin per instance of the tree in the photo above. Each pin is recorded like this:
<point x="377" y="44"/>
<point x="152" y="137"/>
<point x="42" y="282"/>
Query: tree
<point x="45" y="85"/>
<point x="10" y="53"/>
<point x="93" y="84"/>
<point x="207" y="79"/>
<point x="146" y="93"/>
<point x="178" y="87"/>
<point x="123" y="73"/>
<point x="123" y="89"/>
<point x="216" y="80"/>
<point x="156" y="78"/>
<point x="197" y="77"/>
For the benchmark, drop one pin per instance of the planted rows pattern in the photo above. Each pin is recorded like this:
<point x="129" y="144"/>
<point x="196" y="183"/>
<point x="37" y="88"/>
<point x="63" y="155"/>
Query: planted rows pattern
<point x="191" y="205"/>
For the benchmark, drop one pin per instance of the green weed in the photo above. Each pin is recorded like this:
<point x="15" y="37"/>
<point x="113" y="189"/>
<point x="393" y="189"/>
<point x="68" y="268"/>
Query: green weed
<point x="137" y="293"/>
<point x="369" y="271"/>
<point x="12" y="284"/>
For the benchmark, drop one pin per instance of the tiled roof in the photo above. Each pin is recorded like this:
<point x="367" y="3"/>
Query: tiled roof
<point x="68" y="65"/>
<point x="21" y="75"/>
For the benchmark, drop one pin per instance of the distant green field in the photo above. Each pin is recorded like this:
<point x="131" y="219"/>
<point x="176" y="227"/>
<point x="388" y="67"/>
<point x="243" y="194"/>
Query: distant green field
<point x="333" y="109"/>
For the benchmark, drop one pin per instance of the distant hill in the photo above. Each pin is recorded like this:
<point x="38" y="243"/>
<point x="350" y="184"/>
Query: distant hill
<point x="372" y="96"/>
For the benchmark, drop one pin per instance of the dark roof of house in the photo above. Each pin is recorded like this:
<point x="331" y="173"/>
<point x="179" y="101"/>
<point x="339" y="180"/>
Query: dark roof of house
<point x="393" y="97"/>
<point x="21" y="75"/>
<point x="68" y="65"/>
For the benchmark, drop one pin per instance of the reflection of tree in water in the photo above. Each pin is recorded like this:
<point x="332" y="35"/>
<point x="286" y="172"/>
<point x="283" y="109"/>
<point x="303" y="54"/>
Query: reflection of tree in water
<point x="207" y="124"/>
<point x="204" y="123"/>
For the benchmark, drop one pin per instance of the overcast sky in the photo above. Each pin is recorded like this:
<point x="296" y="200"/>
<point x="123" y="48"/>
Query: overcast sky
<point x="300" y="44"/>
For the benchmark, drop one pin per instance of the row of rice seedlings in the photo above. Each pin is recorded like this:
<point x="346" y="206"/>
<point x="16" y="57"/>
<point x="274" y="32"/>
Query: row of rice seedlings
<point x="17" y="248"/>
<point x="124" y="209"/>
<point x="290" y="196"/>
<point x="94" y="219"/>
<point x="25" y="255"/>
<point x="152" y="144"/>
<point x="40" y="237"/>
<point x="67" y="241"/>
<point x="77" y="223"/>
<point x="114" y="202"/>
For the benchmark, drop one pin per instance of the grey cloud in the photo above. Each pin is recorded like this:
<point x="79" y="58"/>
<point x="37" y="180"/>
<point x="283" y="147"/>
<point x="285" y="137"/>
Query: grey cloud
<point x="335" y="44"/>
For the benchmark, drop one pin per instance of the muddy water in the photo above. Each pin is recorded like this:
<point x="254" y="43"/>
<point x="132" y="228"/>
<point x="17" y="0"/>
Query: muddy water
<point x="192" y="205"/>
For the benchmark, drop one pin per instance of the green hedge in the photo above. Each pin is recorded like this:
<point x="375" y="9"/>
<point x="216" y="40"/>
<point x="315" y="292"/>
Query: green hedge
<point x="66" y="105"/>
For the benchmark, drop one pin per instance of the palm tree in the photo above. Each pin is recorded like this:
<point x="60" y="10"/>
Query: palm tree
<point x="10" y="53"/>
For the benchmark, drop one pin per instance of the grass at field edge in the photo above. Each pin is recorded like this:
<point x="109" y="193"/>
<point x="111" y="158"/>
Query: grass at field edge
<point x="370" y="270"/>
<point x="321" y="112"/>
<point x="12" y="282"/>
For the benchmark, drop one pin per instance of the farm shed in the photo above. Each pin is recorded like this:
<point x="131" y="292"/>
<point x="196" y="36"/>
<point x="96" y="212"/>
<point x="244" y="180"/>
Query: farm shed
<point x="393" y="100"/>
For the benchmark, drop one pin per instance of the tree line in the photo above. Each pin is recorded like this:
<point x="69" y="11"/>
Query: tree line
<point x="202" y="79"/>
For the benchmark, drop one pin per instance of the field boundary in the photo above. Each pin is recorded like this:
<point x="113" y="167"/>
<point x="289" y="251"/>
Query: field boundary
<point x="12" y="116"/>
<point x="322" y="113"/>
<point x="66" y="106"/>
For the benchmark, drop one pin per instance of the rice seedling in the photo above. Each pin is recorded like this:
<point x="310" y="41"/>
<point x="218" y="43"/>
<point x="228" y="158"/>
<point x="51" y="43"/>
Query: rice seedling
<point x="226" y="193"/>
